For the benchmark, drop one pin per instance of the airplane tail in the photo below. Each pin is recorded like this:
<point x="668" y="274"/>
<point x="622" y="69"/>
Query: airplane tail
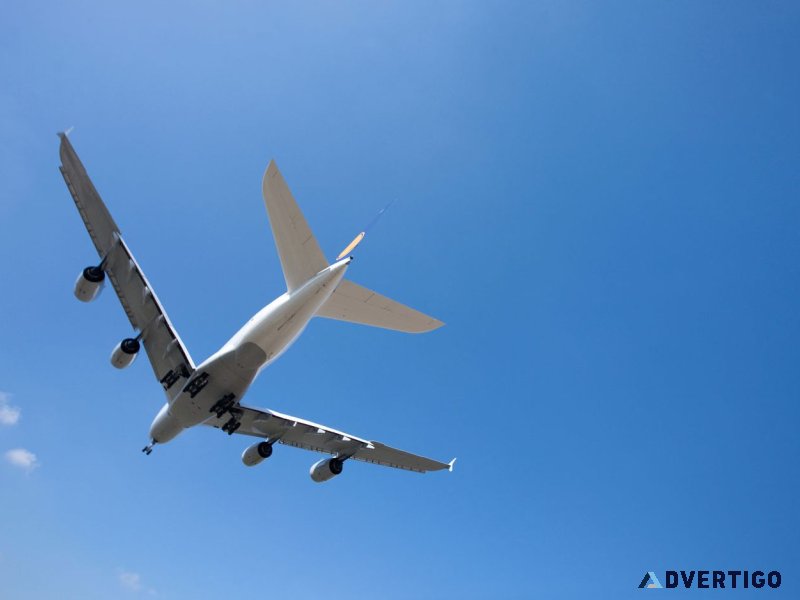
<point x="357" y="304"/>
<point x="300" y="254"/>
<point x="302" y="258"/>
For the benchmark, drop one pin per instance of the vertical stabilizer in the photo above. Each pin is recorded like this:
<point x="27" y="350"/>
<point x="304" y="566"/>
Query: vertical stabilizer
<point x="301" y="257"/>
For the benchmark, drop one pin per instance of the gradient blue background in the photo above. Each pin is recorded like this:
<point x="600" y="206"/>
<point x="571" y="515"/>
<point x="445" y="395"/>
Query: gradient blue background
<point x="599" y="198"/>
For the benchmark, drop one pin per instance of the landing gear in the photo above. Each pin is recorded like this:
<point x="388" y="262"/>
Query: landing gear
<point x="223" y="405"/>
<point x="149" y="448"/>
<point x="196" y="385"/>
<point x="232" y="424"/>
<point x="226" y="405"/>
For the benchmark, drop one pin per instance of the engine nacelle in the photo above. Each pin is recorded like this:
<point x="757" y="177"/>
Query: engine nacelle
<point x="256" y="453"/>
<point x="325" y="469"/>
<point x="89" y="283"/>
<point x="125" y="353"/>
<point x="165" y="426"/>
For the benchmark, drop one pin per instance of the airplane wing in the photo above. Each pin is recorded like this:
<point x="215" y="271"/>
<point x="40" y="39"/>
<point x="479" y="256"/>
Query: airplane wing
<point x="168" y="356"/>
<point x="297" y="432"/>
<point x="301" y="257"/>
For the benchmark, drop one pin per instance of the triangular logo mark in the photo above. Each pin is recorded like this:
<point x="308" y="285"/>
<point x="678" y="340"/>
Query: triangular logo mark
<point x="650" y="581"/>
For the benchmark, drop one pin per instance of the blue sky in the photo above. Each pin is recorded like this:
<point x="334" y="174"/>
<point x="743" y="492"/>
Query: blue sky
<point x="599" y="199"/>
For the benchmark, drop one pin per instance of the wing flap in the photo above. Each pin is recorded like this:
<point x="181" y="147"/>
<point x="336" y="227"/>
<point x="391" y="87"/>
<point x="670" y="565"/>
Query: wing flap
<point x="168" y="356"/>
<point x="300" y="433"/>
<point x="381" y="454"/>
<point x="356" y="304"/>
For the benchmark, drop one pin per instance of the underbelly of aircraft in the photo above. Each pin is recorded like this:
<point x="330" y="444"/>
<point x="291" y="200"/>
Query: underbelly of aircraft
<point x="228" y="374"/>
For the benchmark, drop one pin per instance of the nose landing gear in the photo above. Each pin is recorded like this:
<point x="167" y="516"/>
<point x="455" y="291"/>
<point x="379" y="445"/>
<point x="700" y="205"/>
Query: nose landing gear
<point x="149" y="448"/>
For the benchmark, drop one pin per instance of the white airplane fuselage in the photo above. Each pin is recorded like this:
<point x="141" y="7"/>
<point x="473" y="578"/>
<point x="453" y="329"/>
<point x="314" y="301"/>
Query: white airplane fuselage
<point x="234" y="367"/>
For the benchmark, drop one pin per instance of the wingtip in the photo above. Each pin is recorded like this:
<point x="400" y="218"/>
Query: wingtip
<point x="450" y="465"/>
<point x="269" y="174"/>
<point x="432" y="325"/>
<point x="65" y="133"/>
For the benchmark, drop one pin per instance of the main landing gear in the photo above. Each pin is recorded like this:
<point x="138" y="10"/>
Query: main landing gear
<point x="226" y="405"/>
<point x="232" y="424"/>
<point x="223" y="405"/>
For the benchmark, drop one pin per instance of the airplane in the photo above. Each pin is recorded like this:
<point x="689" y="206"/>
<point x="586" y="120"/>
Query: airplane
<point x="210" y="393"/>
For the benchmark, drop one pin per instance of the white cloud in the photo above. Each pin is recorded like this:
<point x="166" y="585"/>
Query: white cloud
<point x="24" y="459"/>
<point x="132" y="581"/>
<point x="9" y="415"/>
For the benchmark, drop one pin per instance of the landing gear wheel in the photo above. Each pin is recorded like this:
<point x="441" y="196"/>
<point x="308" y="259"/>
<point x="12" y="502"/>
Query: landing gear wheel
<point x="223" y="405"/>
<point x="231" y="425"/>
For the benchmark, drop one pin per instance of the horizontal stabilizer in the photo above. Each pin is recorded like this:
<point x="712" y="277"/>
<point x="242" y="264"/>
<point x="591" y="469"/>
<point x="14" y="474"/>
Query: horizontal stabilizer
<point x="356" y="304"/>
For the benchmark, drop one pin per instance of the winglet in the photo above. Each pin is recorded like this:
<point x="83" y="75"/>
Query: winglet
<point x="66" y="132"/>
<point x="450" y="465"/>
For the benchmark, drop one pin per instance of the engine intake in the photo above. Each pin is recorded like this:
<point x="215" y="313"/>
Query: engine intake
<point x="326" y="469"/>
<point x="89" y="283"/>
<point x="125" y="353"/>
<point x="256" y="453"/>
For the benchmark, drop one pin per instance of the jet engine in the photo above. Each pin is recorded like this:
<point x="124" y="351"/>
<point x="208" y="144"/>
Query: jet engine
<point x="256" y="453"/>
<point x="125" y="353"/>
<point x="89" y="283"/>
<point x="325" y="469"/>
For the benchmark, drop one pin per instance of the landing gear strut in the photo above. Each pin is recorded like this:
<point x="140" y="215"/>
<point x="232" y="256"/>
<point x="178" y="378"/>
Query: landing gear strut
<point x="232" y="424"/>
<point x="223" y="405"/>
